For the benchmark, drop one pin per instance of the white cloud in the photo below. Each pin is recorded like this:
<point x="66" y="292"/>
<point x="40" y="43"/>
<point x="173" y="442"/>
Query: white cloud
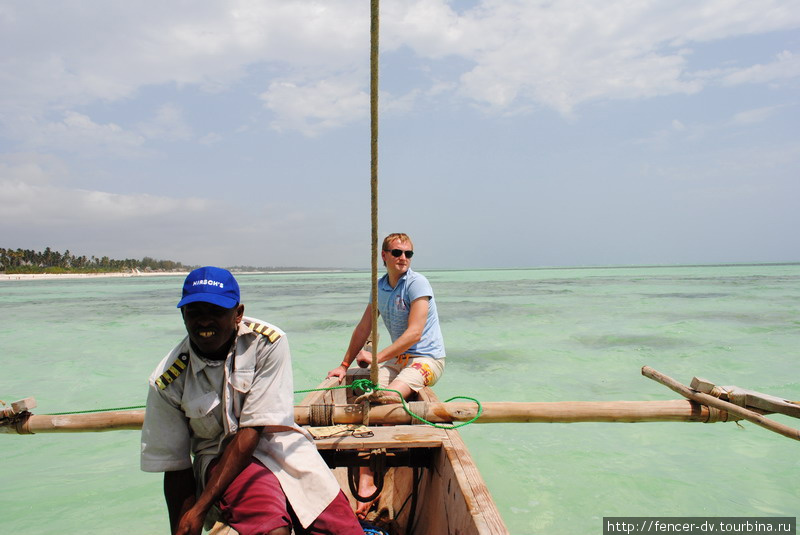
<point x="567" y="53"/>
<point x="168" y="125"/>
<point x="55" y="205"/>
<point x="31" y="168"/>
<point x="516" y="54"/>
<point x="78" y="133"/>
<point x="109" y="50"/>
<point x="785" y="66"/>
<point x="753" y="116"/>
<point x="317" y="106"/>
<point x="33" y="185"/>
<point x="106" y="85"/>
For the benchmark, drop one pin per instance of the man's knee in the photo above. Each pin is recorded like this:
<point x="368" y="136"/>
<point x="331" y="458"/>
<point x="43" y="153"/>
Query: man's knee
<point x="395" y="387"/>
<point x="389" y="397"/>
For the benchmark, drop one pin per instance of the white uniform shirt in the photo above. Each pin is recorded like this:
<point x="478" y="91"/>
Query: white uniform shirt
<point x="198" y="412"/>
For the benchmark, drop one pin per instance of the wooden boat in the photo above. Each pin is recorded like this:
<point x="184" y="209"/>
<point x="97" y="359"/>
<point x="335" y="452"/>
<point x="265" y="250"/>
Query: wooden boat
<point x="430" y="482"/>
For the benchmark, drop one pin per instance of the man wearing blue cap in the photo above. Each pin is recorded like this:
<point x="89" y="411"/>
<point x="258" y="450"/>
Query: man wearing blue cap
<point x="220" y="425"/>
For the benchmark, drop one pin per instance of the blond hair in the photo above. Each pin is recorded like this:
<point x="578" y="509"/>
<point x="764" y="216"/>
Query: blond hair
<point x="403" y="238"/>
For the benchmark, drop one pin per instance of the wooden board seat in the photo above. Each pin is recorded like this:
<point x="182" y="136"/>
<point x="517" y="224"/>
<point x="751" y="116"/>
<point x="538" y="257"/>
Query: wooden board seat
<point x="399" y="436"/>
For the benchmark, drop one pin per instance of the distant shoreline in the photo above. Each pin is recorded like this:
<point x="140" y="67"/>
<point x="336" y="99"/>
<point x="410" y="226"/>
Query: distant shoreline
<point x="62" y="276"/>
<point x="127" y="274"/>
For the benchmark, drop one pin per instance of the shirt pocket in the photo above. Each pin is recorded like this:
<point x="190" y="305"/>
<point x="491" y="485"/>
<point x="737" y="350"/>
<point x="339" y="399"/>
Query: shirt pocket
<point x="241" y="381"/>
<point x="202" y="417"/>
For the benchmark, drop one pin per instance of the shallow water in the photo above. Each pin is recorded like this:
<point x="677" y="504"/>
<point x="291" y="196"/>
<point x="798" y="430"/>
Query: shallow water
<point x="511" y="335"/>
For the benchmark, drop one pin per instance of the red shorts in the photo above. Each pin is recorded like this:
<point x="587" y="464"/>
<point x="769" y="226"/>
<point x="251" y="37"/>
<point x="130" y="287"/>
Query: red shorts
<point x="254" y="504"/>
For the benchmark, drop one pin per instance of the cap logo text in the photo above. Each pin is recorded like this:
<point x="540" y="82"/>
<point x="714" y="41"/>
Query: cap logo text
<point x="206" y="282"/>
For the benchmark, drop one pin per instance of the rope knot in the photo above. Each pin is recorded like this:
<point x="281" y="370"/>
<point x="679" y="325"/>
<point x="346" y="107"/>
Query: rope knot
<point x="365" y="385"/>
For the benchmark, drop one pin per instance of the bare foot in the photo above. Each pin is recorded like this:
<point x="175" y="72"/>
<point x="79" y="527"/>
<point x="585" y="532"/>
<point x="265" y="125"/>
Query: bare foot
<point x="366" y="488"/>
<point x="364" y="508"/>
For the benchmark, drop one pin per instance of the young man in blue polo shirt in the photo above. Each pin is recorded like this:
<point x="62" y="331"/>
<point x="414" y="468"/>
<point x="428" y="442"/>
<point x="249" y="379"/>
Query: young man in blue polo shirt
<point x="415" y="358"/>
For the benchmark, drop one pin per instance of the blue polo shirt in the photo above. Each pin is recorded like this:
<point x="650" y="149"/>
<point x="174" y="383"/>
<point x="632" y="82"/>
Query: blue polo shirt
<point x="394" y="305"/>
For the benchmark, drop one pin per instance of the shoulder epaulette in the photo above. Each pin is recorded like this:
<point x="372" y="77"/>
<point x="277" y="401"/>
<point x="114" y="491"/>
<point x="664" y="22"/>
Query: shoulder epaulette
<point x="173" y="371"/>
<point x="263" y="330"/>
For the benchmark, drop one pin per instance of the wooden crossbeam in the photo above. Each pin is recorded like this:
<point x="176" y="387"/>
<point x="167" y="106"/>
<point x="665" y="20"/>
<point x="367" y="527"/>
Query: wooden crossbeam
<point x="749" y="399"/>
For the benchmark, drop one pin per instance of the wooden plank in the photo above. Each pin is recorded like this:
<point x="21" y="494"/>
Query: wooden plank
<point x="764" y="402"/>
<point x="401" y="436"/>
<point x="749" y="399"/>
<point x="222" y="529"/>
<point x="712" y="401"/>
<point x="477" y="498"/>
<point x="322" y="396"/>
<point x="444" y="508"/>
<point x="17" y="407"/>
<point x="485" y="510"/>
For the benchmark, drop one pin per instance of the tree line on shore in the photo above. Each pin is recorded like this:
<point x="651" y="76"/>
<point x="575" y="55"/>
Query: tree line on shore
<point x="49" y="261"/>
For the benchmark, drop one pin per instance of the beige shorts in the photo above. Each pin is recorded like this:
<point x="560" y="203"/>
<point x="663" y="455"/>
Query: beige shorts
<point x="416" y="372"/>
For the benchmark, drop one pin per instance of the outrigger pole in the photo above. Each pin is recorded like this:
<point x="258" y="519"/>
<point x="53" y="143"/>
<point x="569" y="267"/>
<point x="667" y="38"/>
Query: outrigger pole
<point x="700" y="407"/>
<point x="701" y="393"/>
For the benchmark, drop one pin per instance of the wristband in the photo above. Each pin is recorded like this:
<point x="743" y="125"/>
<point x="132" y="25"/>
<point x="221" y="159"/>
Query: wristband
<point x="345" y="364"/>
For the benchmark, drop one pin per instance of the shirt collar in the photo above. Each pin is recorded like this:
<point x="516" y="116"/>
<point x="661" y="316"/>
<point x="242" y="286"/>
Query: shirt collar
<point x="383" y="283"/>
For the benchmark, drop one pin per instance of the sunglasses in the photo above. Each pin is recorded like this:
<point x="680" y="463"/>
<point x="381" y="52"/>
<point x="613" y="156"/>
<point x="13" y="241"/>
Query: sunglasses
<point x="398" y="252"/>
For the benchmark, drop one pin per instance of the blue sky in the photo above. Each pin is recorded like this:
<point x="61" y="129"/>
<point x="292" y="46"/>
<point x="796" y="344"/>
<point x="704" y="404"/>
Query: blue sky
<point x="512" y="133"/>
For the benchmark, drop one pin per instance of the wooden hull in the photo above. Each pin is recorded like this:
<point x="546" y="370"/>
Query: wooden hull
<point x="431" y="484"/>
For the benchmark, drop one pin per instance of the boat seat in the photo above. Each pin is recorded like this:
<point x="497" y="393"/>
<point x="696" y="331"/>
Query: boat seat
<point x="397" y="436"/>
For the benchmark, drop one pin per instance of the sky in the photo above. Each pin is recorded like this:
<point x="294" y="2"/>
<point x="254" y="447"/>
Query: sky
<point x="511" y="133"/>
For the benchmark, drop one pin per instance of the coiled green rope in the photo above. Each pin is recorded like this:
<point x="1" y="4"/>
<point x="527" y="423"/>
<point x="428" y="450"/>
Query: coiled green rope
<point x="367" y="386"/>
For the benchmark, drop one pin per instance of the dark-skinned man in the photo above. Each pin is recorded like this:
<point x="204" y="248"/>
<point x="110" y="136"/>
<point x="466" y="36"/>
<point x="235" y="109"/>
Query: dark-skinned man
<point x="220" y="425"/>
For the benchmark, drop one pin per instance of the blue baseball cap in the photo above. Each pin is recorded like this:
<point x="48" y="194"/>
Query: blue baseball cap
<point x="210" y="285"/>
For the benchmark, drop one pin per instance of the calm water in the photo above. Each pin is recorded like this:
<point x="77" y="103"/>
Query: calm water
<point x="517" y="335"/>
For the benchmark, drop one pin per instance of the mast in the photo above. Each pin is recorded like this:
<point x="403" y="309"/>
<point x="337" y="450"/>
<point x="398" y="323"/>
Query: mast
<point x="373" y="109"/>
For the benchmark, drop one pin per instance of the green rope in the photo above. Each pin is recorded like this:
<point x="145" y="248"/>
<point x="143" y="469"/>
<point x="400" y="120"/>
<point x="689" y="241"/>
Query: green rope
<point x="365" y="385"/>
<point x="95" y="410"/>
<point x="321" y="389"/>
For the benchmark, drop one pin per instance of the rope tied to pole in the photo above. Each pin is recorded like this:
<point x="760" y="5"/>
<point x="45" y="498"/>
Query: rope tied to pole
<point x="368" y="387"/>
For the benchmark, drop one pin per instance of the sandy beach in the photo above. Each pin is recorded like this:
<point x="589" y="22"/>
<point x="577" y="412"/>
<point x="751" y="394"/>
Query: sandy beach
<point x="46" y="276"/>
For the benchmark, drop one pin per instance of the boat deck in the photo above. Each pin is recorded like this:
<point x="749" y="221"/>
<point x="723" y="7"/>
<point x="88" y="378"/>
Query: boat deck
<point x="431" y="483"/>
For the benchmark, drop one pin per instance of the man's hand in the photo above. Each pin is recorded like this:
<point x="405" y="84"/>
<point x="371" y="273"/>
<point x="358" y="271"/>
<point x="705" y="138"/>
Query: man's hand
<point x="339" y="372"/>
<point x="191" y="522"/>
<point x="235" y="457"/>
<point x="364" y="358"/>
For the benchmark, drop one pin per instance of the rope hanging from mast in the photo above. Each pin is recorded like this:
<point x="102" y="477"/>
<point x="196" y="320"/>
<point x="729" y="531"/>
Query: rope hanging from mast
<point x="373" y="109"/>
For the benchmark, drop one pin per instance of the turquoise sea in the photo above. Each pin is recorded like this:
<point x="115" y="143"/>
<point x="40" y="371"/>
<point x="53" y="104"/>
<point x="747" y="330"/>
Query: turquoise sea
<point x="511" y="335"/>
